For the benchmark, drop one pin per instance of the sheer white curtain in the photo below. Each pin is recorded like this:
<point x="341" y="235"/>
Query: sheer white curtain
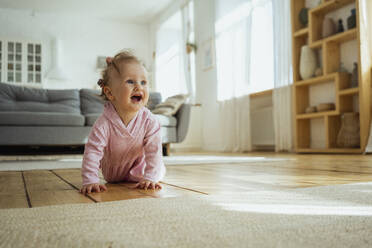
<point x="174" y="66"/>
<point x="232" y="49"/>
<point x="242" y="63"/>
<point x="188" y="58"/>
<point x="282" y="97"/>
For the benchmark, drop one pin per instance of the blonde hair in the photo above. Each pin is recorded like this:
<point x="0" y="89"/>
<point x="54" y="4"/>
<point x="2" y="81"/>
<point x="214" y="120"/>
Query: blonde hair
<point x="113" y="65"/>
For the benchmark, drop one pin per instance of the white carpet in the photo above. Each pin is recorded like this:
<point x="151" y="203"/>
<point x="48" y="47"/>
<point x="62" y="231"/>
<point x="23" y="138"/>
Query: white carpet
<point x="70" y="162"/>
<point x="332" y="216"/>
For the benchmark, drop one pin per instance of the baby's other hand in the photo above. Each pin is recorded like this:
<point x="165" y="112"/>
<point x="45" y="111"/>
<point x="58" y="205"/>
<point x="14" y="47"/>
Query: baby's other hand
<point x="146" y="184"/>
<point x="94" y="187"/>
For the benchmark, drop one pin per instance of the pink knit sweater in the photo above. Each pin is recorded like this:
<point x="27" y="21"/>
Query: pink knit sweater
<point x="124" y="153"/>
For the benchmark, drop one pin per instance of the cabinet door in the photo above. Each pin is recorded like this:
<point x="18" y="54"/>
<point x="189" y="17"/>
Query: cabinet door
<point x="20" y="62"/>
<point x="34" y="63"/>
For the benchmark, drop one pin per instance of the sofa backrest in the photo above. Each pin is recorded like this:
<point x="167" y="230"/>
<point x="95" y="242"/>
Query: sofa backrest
<point x="92" y="103"/>
<point x="19" y="98"/>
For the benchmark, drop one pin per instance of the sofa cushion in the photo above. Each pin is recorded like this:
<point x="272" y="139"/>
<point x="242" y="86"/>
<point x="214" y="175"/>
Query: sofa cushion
<point x="91" y="101"/>
<point x="167" y="121"/>
<point x="18" y="98"/>
<point x="20" y="118"/>
<point x="90" y="119"/>
<point x="171" y="105"/>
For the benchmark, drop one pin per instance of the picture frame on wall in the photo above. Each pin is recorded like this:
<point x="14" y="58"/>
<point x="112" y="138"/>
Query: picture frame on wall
<point x="208" y="54"/>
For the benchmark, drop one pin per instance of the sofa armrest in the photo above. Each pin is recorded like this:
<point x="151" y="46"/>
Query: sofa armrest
<point x="183" y="120"/>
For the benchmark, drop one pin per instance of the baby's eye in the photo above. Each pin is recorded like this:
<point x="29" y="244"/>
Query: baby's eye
<point x="130" y="81"/>
<point x="143" y="82"/>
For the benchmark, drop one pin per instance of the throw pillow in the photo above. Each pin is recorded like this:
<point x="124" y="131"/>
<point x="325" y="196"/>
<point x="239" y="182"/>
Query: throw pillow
<point x="171" y="105"/>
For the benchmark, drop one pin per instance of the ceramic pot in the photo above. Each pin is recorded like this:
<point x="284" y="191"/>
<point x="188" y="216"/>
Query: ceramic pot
<point x="354" y="76"/>
<point x="340" y="27"/>
<point x="303" y="16"/>
<point x="351" y="20"/>
<point x="307" y="62"/>
<point x="349" y="136"/>
<point x="329" y="27"/>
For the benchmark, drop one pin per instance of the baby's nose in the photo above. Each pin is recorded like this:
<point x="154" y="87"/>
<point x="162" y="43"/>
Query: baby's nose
<point x="138" y="84"/>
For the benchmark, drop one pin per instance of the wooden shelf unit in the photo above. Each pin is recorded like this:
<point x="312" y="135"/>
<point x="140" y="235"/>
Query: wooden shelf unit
<point x="345" y="97"/>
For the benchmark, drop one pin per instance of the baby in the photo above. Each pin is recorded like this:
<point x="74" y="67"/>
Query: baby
<point x="125" y="141"/>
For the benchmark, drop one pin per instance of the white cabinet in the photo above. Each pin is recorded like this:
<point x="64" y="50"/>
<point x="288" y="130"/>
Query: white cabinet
<point x="21" y="62"/>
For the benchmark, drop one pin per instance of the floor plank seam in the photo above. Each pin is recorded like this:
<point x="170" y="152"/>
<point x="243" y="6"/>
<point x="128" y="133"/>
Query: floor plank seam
<point x="185" y="188"/>
<point x="26" y="191"/>
<point x="88" y="196"/>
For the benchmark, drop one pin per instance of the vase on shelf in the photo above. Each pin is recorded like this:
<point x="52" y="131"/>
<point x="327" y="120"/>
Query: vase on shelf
<point x="307" y="62"/>
<point x="303" y="16"/>
<point x="351" y="20"/>
<point x="348" y="136"/>
<point x="354" y="76"/>
<point x="329" y="27"/>
<point x="340" y="27"/>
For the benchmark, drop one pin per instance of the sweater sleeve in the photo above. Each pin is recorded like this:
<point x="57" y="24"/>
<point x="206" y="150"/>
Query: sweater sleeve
<point x="93" y="152"/>
<point x="155" y="169"/>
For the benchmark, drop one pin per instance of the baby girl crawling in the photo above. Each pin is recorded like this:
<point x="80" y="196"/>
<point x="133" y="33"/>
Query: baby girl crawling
<point x="125" y="141"/>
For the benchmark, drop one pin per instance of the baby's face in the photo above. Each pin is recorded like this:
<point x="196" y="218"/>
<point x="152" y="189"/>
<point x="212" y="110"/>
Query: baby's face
<point x="130" y="92"/>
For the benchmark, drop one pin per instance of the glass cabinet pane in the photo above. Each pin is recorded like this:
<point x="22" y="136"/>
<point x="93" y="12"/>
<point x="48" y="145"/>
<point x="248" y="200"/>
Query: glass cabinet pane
<point x="18" y="57"/>
<point x="30" y="48"/>
<point x="10" y="57"/>
<point x="10" y="77"/>
<point x="38" y="59"/>
<point x="18" y="67"/>
<point x="18" y="47"/>
<point x="10" y="47"/>
<point x="30" y="77"/>
<point x="18" y="77"/>
<point x="38" y="78"/>
<point x="38" y="49"/>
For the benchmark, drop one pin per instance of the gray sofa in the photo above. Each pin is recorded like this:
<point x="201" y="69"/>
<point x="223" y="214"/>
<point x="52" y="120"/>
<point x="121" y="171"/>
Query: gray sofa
<point x="44" y="117"/>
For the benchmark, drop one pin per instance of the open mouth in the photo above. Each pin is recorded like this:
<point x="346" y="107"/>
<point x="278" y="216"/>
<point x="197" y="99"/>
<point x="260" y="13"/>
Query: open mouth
<point x="136" y="98"/>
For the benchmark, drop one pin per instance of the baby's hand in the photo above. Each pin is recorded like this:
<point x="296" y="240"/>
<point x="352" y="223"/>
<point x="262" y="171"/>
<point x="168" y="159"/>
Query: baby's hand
<point x="94" y="187"/>
<point x="146" y="184"/>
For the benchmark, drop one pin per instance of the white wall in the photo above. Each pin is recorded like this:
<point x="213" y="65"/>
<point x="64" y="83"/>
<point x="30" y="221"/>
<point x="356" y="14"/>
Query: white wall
<point x="82" y="39"/>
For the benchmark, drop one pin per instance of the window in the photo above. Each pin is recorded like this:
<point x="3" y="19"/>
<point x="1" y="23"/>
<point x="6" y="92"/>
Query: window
<point x="262" y="49"/>
<point x="175" y="72"/>
<point x="244" y="48"/>
<point x="22" y="60"/>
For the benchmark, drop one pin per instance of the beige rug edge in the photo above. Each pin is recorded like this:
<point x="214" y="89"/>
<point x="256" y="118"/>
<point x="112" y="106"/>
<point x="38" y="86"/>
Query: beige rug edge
<point x="330" y="216"/>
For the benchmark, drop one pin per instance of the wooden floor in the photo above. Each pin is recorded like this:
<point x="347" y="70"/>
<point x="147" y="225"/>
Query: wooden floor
<point x="37" y="188"/>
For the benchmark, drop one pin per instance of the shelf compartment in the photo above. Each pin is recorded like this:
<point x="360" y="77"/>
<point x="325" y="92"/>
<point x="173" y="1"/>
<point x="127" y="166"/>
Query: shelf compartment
<point x="349" y="103"/>
<point x="296" y="7"/>
<point x="337" y="38"/>
<point x="332" y="49"/>
<point x="350" y="91"/>
<point x="316" y="115"/>
<point x="330" y="6"/>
